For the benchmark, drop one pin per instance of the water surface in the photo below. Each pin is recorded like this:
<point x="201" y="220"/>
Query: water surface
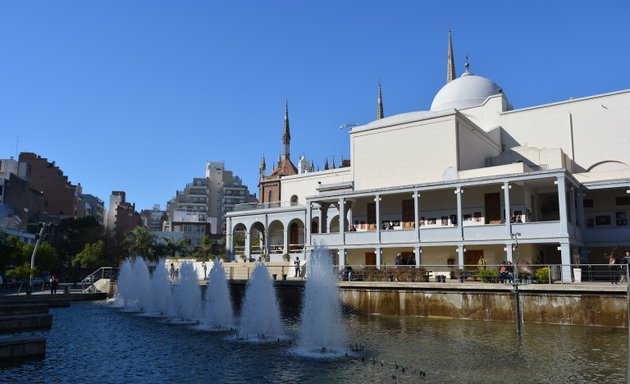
<point x="96" y="343"/>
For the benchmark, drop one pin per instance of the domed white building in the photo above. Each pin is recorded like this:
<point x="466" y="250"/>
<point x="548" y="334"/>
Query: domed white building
<point x="465" y="92"/>
<point x="470" y="177"/>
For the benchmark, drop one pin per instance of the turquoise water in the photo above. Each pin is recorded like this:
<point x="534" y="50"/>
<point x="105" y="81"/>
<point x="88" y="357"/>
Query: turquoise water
<point x="95" y="343"/>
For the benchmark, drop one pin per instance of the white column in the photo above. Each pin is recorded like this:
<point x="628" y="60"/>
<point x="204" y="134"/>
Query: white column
<point x="286" y="240"/>
<point x="416" y="216"/>
<point x="377" y="199"/>
<point x="572" y="205"/>
<point x="460" y="256"/>
<point x="342" y="258"/>
<point x="418" y="253"/>
<point x="323" y="217"/>
<point x="580" y="210"/>
<point x="378" y="258"/>
<point x="562" y="204"/>
<point x="458" y="193"/>
<point x="342" y="220"/>
<point x="349" y="214"/>
<point x="307" y="224"/>
<point x="565" y="259"/>
<point x="248" y="251"/>
<point x="509" y="248"/>
<point x="506" y="206"/>
<point x="229" y="247"/>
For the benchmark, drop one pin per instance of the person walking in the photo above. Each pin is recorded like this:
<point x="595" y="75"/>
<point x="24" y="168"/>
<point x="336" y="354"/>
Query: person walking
<point x="297" y="266"/>
<point x="54" y="283"/>
<point x="612" y="265"/>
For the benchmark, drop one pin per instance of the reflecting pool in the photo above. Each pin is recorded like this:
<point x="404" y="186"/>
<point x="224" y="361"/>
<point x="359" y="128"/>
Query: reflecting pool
<point x="97" y="343"/>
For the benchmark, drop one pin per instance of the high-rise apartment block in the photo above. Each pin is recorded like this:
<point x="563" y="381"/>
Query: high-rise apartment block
<point x="199" y="209"/>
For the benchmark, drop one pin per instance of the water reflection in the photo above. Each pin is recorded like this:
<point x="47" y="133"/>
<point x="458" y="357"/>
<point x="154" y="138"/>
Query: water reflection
<point x="97" y="343"/>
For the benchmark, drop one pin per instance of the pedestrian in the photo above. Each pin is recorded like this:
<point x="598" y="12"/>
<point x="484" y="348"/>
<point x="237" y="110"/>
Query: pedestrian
<point x="172" y="271"/>
<point x="624" y="266"/>
<point x="205" y="270"/>
<point x="53" y="285"/>
<point x="612" y="265"/>
<point x="297" y="266"/>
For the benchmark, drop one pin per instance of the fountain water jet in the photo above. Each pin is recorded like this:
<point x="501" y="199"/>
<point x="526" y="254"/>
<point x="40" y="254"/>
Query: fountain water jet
<point x="133" y="285"/>
<point x="218" y="310"/>
<point x="260" y="316"/>
<point x="186" y="303"/>
<point x="322" y="332"/>
<point x="160" y="297"/>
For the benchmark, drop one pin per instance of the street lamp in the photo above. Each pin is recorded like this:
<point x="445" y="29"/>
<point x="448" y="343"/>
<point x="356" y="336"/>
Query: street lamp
<point x="515" y="236"/>
<point x="42" y="229"/>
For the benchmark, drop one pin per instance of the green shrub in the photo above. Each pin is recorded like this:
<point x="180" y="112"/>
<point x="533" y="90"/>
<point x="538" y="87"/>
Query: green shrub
<point x="489" y="275"/>
<point x="542" y="275"/>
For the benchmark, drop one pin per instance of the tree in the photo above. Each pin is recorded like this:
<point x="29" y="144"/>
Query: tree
<point x="92" y="255"/>
<point x="175" y="246"/>
<point x="140" y="241"/>
<point x="204" y="249"/>
<point x="71" y="235"/>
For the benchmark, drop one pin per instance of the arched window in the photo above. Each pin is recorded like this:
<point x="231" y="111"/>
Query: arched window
<point x="294" y="200"/>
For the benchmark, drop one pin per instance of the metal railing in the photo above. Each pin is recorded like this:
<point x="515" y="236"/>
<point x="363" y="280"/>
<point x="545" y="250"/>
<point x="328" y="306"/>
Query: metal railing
<point x="473" y="273"/>
<point x="87" y="283"/>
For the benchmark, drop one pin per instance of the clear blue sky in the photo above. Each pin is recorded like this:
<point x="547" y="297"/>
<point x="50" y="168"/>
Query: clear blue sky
<point x="138" y="95"/>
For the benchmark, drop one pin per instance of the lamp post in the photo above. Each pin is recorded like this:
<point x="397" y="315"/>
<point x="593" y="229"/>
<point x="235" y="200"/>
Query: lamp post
<point x="42" y="229"/>
<point x="515" y="236"/>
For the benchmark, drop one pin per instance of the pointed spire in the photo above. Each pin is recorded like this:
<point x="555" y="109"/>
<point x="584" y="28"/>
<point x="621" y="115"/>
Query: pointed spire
<point x="333" y="163"/>
<point x="286" y="133"/>
<point x="312" y="167"/>
<point x="450" y="70"/>
<point x="263" y="167"/>
<point x="379" y="109"/>
<point x="326" y="165"/>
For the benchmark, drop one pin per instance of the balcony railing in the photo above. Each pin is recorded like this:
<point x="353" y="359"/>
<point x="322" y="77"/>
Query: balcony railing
<point x="596" y="274"/>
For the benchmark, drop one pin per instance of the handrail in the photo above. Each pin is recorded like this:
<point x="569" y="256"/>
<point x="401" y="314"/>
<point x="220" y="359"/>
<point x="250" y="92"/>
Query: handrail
<point x="101" y="273"/>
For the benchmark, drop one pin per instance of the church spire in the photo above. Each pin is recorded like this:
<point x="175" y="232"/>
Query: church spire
<point x="263" y="167"/>
<point x="379" y="109"/>
<point x="450" y="71"/>
<point x="286" y="134"/>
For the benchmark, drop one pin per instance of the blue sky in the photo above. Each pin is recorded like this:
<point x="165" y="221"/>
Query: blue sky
<point x="138" y="95"/>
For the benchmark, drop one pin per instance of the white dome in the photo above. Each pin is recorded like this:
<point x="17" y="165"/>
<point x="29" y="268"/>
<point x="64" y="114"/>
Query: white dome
<point x="467" y="91"/>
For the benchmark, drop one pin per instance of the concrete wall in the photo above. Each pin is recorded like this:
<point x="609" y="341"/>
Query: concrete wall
<point x="549" y="308"/>
<point x="402" y="155"/>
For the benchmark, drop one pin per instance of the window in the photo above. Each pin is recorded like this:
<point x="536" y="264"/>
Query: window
<point x="625" y="200"/>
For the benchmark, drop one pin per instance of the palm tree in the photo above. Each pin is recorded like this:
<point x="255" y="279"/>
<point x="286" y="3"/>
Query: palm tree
<point x="204" y="249"/>
<point x="175" y="246"/>
<point x="140" y="241"/>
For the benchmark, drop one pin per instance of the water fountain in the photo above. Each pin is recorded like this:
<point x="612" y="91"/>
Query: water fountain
<point x="133" y="285"/>
<point x="142" y="283"/>
<point x="186" y="303"/>
<point x="260" y="316"/>
<point x="123" y="289"/>
<point x="160" y="297"/>
<point x="321" y="332"/>
<point x="218" y="313"/>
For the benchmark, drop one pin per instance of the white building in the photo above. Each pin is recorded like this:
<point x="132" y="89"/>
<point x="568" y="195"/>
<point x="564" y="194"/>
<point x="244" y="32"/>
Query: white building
<point x="469" y="177"/>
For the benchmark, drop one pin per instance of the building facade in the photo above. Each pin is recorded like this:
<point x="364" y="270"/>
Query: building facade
<point x="121" y="215"/>
<point x="60" y="195"/>
<point x="469" y="177"/>
<point x="199" y="209"/>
